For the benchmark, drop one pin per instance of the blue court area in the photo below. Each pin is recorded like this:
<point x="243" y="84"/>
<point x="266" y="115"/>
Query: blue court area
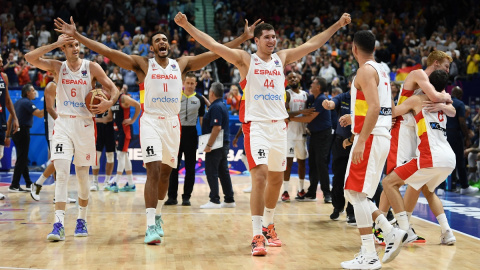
<point x="462" y="211"/>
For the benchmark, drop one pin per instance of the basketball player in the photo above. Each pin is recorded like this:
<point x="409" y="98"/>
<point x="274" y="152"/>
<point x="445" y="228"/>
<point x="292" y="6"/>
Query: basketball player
<point x="296" y="136"/>
<point x="5" y="102"/>
<point x="160" y="94"/>
<point x="74" y="133"/>
<point x="49" y="120"/>
<point x="434" y="161"/>
<point x="122" y="123"/>
<point x="263" y="114"/>
<point x="105" y="140"/>
<point x="403" y="143"/>
<point x="371" y="109"/>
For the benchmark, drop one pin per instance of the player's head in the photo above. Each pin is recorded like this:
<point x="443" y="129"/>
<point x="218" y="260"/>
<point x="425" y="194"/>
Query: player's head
<point x="190" y="82"/>
<point x="363" y="43"/>
<point x="71" y="50"/>
<point x="28" y="91"/>
<point x="439" y="79"/>
<point x="159" y="44"/>
<point x="457" y="92"/>
<point x="265" y="37"/>
<point x="439" y="60"/>
<point x="119" y="85"/>
<point x="293" y="80"/>
<point x="216" y="91"/>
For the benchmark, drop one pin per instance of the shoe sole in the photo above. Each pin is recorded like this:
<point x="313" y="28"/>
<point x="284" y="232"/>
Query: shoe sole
<point x="153" y="242"/>
<point x="31" y="195"/>
<point x="352" y="224"/>
<point x="285" y="200"/>
<point x="273" y="244"/>
<point x="259" y="252"/>
<point x="80" y="234"/>
<point x="54" y="237"/>
<point x="397" y="250"/>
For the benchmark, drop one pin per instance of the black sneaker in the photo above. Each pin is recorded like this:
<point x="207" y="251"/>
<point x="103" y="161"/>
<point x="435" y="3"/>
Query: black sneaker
<point x="186" y="202"/>
<point x="171" y="202"/>
<point x="351" y="221"/>
<point x="391" y="218"/>
<point x="16" y="190"/>
<point x="335" y="215"/>
<point x="327" y="198"/>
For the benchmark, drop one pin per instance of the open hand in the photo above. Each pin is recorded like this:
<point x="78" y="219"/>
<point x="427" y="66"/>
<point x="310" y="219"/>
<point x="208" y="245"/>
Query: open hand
<point x="101" y="107"/>
<point x="128" y="122"/>
<point x="65" y="28"/>
<point x="64" y="39"/>
<point x="250" y="29"/>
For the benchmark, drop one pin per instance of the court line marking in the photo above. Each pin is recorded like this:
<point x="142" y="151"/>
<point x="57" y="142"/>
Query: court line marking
<point x="438" y="225"/>
<point x="3" y="267"/>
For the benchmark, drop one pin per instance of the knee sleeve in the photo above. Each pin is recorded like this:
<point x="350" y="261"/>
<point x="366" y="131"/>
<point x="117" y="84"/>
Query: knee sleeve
<point x="62" y="167"/>
<point x="361" y="207"/>
<point x="110" y="157"/>
<point x="120" y="161"/>
<point x="245" y="161"/>
<point x="97" y="166"/>
<point x="83" y="186"/>
<point x="128" y="163"/>
<point x="472" y="160"/>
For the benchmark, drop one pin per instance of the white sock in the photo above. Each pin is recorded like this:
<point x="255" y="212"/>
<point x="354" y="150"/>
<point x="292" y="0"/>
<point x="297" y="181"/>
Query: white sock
<point x="130" y="179"/>
<point x="108" y="178"/>
<point x="402" y="220"/>
<point x="60" y="216"/>
<point x="160" y="206"/>
<point x="286" y="185"/>
<point x="150" y="217"/>
<point x="300" y="184"/>
<point x="95" y="179"/>
<point x="368" y="243"/>
<point x="268" y="216"/>
<point x="257" y="225"/>
<point x="442" y="220"/>
<point x="409" y="215"/>
<point x="82" y="212"/>
<point x="41" y="180"/>
<point x="382" y="222"/>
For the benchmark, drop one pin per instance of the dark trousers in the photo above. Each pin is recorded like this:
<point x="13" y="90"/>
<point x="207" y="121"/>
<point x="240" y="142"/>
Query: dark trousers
<point x="216" y="166"/>
<point x="455" y="138"/>
<point x="339" y="168"/>
<point x="188" y="146"/>
<point x="22" y="144"/>
<point x="318" y="151"/>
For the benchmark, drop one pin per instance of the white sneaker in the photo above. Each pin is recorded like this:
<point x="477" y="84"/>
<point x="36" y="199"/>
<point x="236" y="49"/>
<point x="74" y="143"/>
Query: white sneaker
<point x="228" y="205"/>
<point x="411" y="236"/>
<point x="248" y="189"/>
<point x="440" y="192"/>
<point x="211" y="205"/>
<point x="2" y="196"/>
<point x="363" y="261"/>
<point x="71" y="200"/>
<point x="469" y="190"/>
<point x="393" y="243"/>
<point x="35" y="191"/>
<point x="447" y="238"/>
<point x="94" y="187"/>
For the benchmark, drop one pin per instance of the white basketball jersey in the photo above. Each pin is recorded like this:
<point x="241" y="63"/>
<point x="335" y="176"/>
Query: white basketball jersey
<point x="359" y="106"/>
<point x="263" y="91"/>
<point x="163" y="88"/>
<point x="297" y="102"/>
<point x="433" y="149"/>
<point x="72" y="88"/>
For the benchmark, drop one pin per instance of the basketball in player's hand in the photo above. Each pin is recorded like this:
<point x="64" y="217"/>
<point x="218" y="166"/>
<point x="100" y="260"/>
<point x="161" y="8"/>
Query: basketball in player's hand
<point x="91" y="100"/>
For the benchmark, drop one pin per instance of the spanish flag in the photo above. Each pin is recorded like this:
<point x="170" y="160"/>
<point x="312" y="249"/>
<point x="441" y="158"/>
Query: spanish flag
<point x="403" y="72"/>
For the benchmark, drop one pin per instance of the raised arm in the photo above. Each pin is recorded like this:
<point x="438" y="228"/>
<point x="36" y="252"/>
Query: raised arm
<point x="130" y="102"/>
<point x="107" y="84"/>
<point x="131" y="62"/>
<point x="239" y="58"/>
<point x="35" y="57"/>
<point x="199" y="61"/>
<point x="291" y="55"/>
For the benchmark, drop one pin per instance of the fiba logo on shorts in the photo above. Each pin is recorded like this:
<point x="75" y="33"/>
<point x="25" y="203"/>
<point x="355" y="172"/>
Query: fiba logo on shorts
<point x="88" y="157"/>
<point x="283" y="163"/>
<point x="261" y="154"/>
<point x="172" y="160"/>
<point x="59" y="148"/>
<point x="150" y="152"/>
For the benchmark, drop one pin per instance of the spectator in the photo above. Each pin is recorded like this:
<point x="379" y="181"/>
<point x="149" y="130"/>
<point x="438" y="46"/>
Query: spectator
<point x="44" y="36"/>
<point x="116" y="75"/>
<point x="144" y="48"/>
<point x="395" y="91"/>
<point x="25" y="110"/>
<point x="233" y="99"/>
<point x="10" y="70"/>
<point x="22" y="72"/>
<point x="216" y="163"/>
<point x="205" y="82"/>
<point x="327" y="71"/>
<point x="109" y="42"/>
<point x="472" y="62"/>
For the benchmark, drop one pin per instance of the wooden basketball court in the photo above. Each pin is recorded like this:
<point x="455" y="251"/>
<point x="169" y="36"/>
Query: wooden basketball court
<point x="200" y="238"/>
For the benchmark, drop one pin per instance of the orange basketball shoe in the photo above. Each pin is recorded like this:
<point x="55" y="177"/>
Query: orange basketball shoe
<point x="271" y="236"/>
<point x="258" y="246"/>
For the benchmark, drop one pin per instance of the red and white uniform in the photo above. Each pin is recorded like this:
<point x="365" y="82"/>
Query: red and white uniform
<point x="404" y="140"/>
<point x="159" y="124"/>
<point x="435" y="159"/>
<point x="262" y="112"/>
<point x="365" y="176"/>
<point x="74" y="131"/>
<point x="296" y="131"/>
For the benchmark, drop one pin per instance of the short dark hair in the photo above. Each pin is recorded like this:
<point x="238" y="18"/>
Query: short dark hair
<point x="259" y="29"/>
<point x="365" y="40"/>
<point x="322" y="82"/>
<point x="190" y="74"/>
<point x="26" y="89"/>
<point x="457" y="92"/>
<point x="439" y="79"/>
<point x="217" y="89"/>
<point x="150" y="40"/>
<point x="119" y="83"/>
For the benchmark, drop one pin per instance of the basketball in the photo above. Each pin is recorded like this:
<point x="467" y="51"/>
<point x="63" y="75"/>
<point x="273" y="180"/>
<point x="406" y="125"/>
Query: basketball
<point x="91" y="100"/>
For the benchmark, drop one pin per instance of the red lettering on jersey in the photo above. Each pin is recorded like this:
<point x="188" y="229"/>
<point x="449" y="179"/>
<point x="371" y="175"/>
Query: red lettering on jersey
<point x="66" y="81"/>
<point x="164" y="77"/>
<point x="267" y="72"/>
